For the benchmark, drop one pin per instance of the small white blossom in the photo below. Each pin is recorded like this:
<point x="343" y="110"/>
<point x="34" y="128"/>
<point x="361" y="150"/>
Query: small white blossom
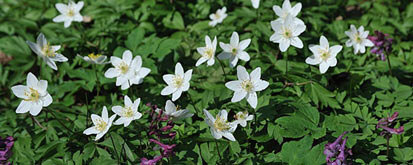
<point x="218" y="16"/>
<point x="176" y="113"/>
<point x="243" y="117"/>
<point x="128" y="113"/>
<point x="287" y="33"/>
<point x="219" y="126"/>
<point x="177" y="83"/>
<point x="358" y="39"/>
<point x="234" y="50"/>
<point x="69" y="13"/>
<point x="101" y="124"/>
<point x="207" y="52"/>
<point x="247" y="85"/>
<point x="126" y="70"/>
<point x="34" y="95"/>
<point x="287" y="10"/>
<point x="94" y="58"/>
<point x="255" y="3"/>
<point x="47" y="52"/>
<point x="324" y="55"/>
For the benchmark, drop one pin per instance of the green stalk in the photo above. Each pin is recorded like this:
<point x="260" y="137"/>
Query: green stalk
<point x="114" y="147"/>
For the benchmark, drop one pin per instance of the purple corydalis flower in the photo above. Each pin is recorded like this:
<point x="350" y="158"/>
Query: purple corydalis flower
<point x="382" y="44"/>
<point x="5" y="149"/>
<point x="386" y="122"/>
<point x="167" y="149"/>
<point x="338" y="150"/>
<point x="145" y="161"/>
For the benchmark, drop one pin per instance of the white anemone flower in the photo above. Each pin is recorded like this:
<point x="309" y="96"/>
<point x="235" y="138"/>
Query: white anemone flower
<point x="101" y="124"/>
<point x="69" y="13"/>
<point x="177" y="114"/>
<point x="358" y="39"/>
<point x="93" y="58"/>
<point x="235" y="50"/>
<point x="128" y="113"/>
<point x="34" y="95"/>
<point x="219" y="126"/>
<point x="287" y="33"/>
<point x="207" y="52"/>
<point x="47" y="52"/>
<point x="324" y="55"/>
<point x="247" y="85"/>
<point x="287" y="10"/>
<point x="255" y="3"/>
<point x="243" y="117"/>
<point x="177" y="83"/>
<point x="218" y="16"/>
<point x="126" y="70"/>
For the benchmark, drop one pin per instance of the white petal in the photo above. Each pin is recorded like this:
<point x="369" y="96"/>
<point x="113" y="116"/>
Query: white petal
<point x="120" y="121"/>
<point x="36" y="107"/>
<point x="243" y="123"/>
<point x="136" y="104"/>
<point x="234" y="39"/>
<point x="121" y="80"/>
<point x="105" y="114"/>
<point x="243" y="56"/>
<point x="185" y="86"/>
<point x="324" y="42"/>
<point x="286" y="5"/>
<point x="332" y="61"/>
<point x="117" y="110"/>
<point x="137" y="62"/>
<point x="312" y="60"/>
<point x="208" y="116"/>
<point x="242" y="73"/>
<point x="67" y="23"/>
<point x="229" y="136"/>
<point x="31" y="80"/>
<point x="215" y="134"/>
<point x="296" y="9"/>
<point x="362" y="49"/>
<point x="36" y="49"/>
<point x="233" y="61"/>
<point x="234" y="85"/>
<point x="179" y="71"/>
<point x="334" y="50"/>
<point x="255" y="74"/>
<point x="115" y="60"/>
<point x="143" y="72"/>
<point x="168" y="78"/>
<point x="250" y="117"/>
<point x="368" y="43"/>
<point x="47" y="100"/>
<point x="277" y="10"/>
<point x="60" y="18"/>
<point x="260" y="85"/>
<point x="244" y="44"/>
<point x="188" y="75"/>
<point x="176" y="94"/>
<point x="128" y="101"/>
<point x="224" y="55"/>
<point x="50" y="63"/>
<point x="297" y="42"/>
<point x="111" y="73"/>
<point x="276" y="38"/>
<point x="169" y="107"/>
<point x="90" y="130"/>
<point x="252" y="99"/>
<point x="125" y="85"/>
<point x="200" y="61"/>
<point x="323" y="67"/>
<point x="99" y="135"/>
<point x="208" y="42"/>
<point x="349" y="43"/>
<point x="127" y="57"/>
<point x="300" y="28"/>
<point x="41" y="40"/>
<point x="24" y="107"/>
<point x="223" y="114"/>
<point x="238" y="96"/>
<point x="284" y="44"/>
<point x="211" y="62"/>
<point x="168" y="90"/>
<point x="255" y="3"/>
<point x="79" y="6"/>
<point x="78" y="18"/>
<point x="59" y="58"/>
<point x="62" y="8"/>
<point x="19" y="91"/>
<point x="95" y="118"/>
<point x="41" y="87"/>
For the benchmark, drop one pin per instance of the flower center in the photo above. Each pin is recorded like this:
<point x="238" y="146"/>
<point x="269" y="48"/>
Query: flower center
<point x="94" y="56"/>
<point x="70" y="13"/>
<point x="33" y="95"/>
<point x="357" y="38"/>
<point x="247" y="85"/>
<point x="127" y="112"/>
<point x="234" y="51"/>
<point x="100" y="125"/>
<point x="217" y="15"/>
<point x="178" y="81"/>
<point x="241" y="115"/>
<point x="123" y="68"/>
<point x="220" y="124"/>
<point x="208" y="53"/>
<point x="48" y="51"/>
<point x="287" y="33"/>
<point x="325" y="54"/>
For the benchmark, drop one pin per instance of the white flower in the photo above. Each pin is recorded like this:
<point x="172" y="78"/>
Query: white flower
<point x="218" y="17"/>
<point x="126" y="70"/>
<point x="69" y="13"/>
<point x="243" y="117"/>
<point x="247" y="85"/>
<point x="255" y="3"/>
<point x="34" y="95"/>
<point x="234" y="50"/>
<point x="287" y="33"/>
<point x="219" y="126"/>
<point x="47" y="52"/>
<point x="128" y="113"/>
<point x="94" y="58"/>
<point x="323" y="55"/>
<point x="101" y="124"/>
<point x="287" y="10"/>
<point x="177" y="83"/>
<point x="358" y="39"/>
<point x="176" y="113"/>
<point x="207" y="52"/>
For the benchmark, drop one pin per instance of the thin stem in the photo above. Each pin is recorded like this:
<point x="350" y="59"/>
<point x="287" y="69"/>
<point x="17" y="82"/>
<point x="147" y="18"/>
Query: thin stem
<point x="114" y="147"/>
<point x="286" y="63"/>
<point x="388" y="62"/>
<point x="388" y="138"/>
<point x="60" y="121"/>
<point x="37" y="122"/>
<point x="87" y="110"/>
<point x="97" y="85"/>
<point x="216" y="143"/>
<point x="223" y="70"/>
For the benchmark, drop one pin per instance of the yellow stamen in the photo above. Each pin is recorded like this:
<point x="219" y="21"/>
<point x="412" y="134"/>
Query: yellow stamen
<point x="33" y="95"/>
<point x="178" y="81"/>
<point x="100" y="125"/>
<point x="127" y="112"/>
<point x="123" y="68"/>
<point x="208" y="53"/>
<point x="220" y="124"/>
<point x="94" y="56"/>
<point x="247" y="85"/>
<point x="48" y="51"/>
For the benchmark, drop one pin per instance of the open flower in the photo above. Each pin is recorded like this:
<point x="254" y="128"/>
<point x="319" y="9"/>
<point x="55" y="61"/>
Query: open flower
<point x="47" y="52"/>
<point x="287" y="33"/>
<point x="128" y="113"/>
<point x="247" y="85"/>
<point x="207" y="52"/>
<point x="126" y="70"/>
<point x="69" y="13"/>
<point x="34" y="95"/>
<point x="358" y="39"/>
<point x="177" y="114"/>
<point x="243" y="117"/>
<point x="337" y="150"/>
<point x="382" y="44"/>
<point x="255" y="3"/>
<point x="386" y="123"/>
<point x="287" y="10"/>
<point x="93" y="58"/>
<point x="101" y="124"/>
<point x="177" y="83"/>
<point x="218" y="16"/>
<point x="234" y="50"/>
<point x="219" y="126"/>
<point x="6" y="145"/>
<point x="324" y="55"/>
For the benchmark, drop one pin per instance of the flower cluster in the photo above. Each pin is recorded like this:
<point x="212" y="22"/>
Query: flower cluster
<point x="386" y="123"/>
<point x="382" y="44"/>
<point x="5" y="149"/>
<point x="336" y="152"/>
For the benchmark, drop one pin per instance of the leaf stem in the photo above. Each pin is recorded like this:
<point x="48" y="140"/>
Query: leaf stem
<point x="223" y="70"/>
<point x="286" y="62"/>
<point x="216" y="143"/>
<point x="388" y="62"/>
<point x="37" y="122"/>
<point x="114" y="147"/>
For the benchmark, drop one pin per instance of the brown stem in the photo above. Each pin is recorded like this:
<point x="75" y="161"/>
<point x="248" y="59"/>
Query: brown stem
<point x="286" y="84"/>
<point x="38" y="123"/>
<point x="388" y="138"/>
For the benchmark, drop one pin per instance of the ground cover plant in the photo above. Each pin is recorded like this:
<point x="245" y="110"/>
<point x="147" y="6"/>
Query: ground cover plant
<point x="206" y="82"/>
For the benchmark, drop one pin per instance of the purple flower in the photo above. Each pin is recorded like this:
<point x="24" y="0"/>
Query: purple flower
<point x="386" y="122"/>
<point x="167" y="149"/>
<point x="5" y="149"/>
<point x="145" y="161"/>
<point x="337" y="150"/>
<point x="382" y="44"/>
